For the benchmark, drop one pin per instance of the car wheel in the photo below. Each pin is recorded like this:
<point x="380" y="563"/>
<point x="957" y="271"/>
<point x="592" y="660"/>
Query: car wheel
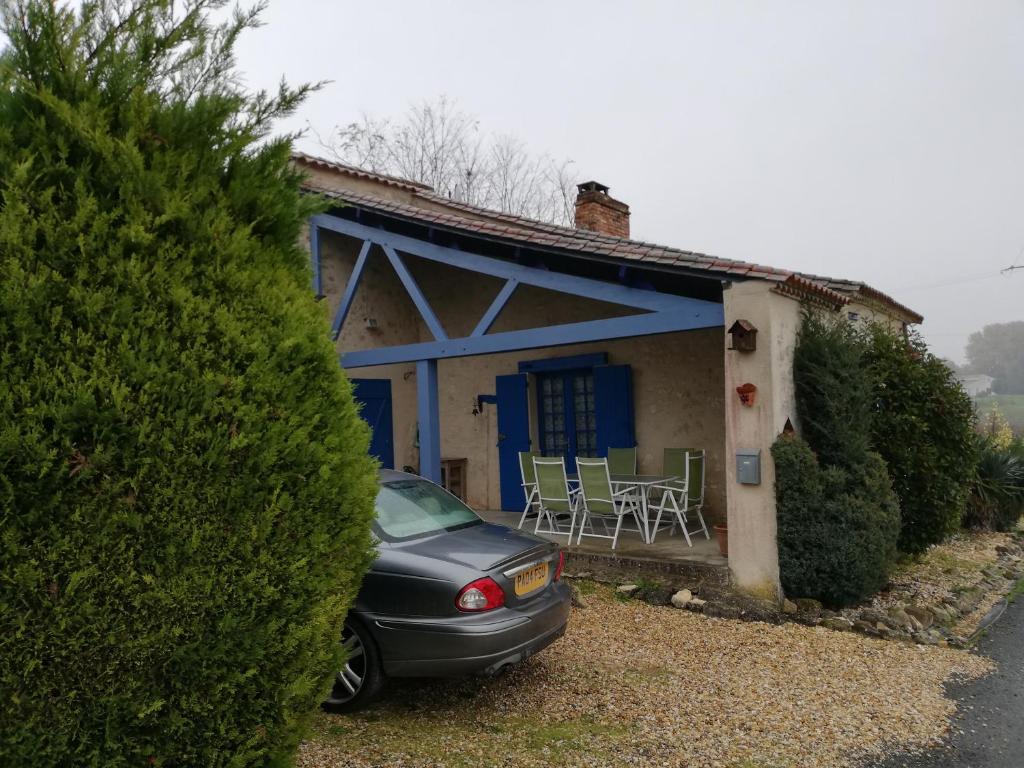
<point x="361" y="677"/>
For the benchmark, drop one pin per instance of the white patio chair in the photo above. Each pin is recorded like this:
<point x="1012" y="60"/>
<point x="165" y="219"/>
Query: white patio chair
<point x="682" y="497"/>
<point x="598" y="501"/>
<point x="529" y="478"/>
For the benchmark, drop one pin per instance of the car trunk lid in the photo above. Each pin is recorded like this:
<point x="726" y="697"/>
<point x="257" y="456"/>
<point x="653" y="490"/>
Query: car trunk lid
<point x="482" y="547"/>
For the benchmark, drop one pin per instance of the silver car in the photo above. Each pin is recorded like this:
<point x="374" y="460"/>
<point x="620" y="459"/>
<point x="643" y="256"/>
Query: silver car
<point x="448" y="595"/>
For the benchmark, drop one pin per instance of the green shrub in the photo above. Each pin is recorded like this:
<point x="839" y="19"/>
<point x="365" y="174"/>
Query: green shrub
<point x="996" y="500"/>
<point x="837" y="526"/>
<point x="801" y="526"/>
<point x="185" y="494"/>
<point x="922" y="425"/>
<point x="838" y="515"/>
<point x="833" y="389"/>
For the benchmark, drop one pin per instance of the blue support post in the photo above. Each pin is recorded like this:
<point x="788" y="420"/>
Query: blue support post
<point x="430" y="426"/>
<point x="415" y="294"/>
<point x="350" y="290"/>
<point x="314" y="258"/>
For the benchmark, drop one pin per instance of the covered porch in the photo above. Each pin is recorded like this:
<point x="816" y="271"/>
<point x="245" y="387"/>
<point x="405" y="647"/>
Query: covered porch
<point x="667" y="555"/>
<point x="465" y="349"/>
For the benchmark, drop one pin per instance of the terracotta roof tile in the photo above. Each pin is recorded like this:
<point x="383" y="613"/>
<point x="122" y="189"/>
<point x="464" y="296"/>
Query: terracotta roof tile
<point x="527" y="231"/>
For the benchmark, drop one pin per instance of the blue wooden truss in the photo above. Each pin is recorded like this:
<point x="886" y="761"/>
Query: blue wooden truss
<point x="660" y="313"/>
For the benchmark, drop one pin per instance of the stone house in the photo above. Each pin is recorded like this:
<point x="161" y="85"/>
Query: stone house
<point x="471" y="334"/>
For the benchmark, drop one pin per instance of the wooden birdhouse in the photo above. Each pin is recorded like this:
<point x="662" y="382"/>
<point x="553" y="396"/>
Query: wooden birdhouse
<point x="744" y="336"/>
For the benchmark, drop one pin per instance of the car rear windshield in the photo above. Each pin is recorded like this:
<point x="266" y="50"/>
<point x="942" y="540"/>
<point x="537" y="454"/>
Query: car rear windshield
<point x="411" y="508"/>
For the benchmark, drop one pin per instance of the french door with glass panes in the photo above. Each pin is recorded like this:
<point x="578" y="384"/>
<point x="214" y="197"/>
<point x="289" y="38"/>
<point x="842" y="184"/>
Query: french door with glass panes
<point x="567" y="419"/>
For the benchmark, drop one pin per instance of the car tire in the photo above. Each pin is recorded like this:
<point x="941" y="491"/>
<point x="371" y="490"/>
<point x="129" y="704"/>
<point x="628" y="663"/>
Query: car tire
<point x="361" y="677"/>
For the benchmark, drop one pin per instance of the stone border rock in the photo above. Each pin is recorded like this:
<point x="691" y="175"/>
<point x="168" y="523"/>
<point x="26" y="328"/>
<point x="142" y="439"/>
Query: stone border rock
<point x="941" y="623"/>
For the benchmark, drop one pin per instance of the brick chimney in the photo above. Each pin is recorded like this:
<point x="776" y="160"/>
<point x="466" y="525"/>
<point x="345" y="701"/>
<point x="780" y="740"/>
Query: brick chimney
<point x="597" y="211"/>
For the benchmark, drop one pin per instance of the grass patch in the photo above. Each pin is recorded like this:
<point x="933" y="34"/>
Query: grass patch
<point x="436" y="739"/>
<point x="1017" y="591"/>
<point x="586" y="587"/>
<point x="561" y="737"/>
<point x="648" y="673"/>
<point x="644" y="588"/>
<point x="624" y="597"/>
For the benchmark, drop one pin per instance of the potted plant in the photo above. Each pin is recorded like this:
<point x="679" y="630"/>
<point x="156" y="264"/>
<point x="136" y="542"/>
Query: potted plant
<point x="721" y="530"/>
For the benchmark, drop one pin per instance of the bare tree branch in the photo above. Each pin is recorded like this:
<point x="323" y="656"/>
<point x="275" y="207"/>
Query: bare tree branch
<point x="437" y="144"/>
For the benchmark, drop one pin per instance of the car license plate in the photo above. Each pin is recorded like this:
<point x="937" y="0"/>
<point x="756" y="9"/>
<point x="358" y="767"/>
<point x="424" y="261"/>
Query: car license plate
<point x="534" y="577"/>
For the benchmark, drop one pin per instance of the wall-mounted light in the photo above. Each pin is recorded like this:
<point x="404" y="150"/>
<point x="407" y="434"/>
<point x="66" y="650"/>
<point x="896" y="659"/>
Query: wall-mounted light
<point x="480" y="400"/>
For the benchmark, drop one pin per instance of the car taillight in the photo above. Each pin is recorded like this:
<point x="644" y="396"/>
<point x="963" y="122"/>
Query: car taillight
<point x="480" y="595"/>
<point x="560" y="566"/>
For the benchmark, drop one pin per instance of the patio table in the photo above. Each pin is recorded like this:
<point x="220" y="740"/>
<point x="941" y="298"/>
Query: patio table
<point x="643" y="484"/>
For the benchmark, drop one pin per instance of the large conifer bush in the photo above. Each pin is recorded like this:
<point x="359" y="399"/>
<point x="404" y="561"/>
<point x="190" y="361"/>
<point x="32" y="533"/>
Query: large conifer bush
<point x="838" y="517"/>
<point x="837" y="525"/>
<point x="923" y="426"/>
<point x="185" y="494"/>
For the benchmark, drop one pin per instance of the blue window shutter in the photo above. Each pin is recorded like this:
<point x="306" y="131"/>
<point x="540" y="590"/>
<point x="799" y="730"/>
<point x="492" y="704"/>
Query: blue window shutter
<point x="374" y="398"/>
<point x="613" y="403"/>
<point x="513" y="437"/>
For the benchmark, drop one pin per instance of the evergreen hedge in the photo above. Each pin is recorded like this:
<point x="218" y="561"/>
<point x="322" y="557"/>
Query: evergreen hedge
<point x="838" y="517"/>
<point x="922" y="424"/>
<point x="185" y="493"/>
<point x="833" y="389"/>
<point x="837" y="526"/>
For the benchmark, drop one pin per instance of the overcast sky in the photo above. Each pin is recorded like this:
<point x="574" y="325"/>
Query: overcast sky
<point x="879" y="141"/>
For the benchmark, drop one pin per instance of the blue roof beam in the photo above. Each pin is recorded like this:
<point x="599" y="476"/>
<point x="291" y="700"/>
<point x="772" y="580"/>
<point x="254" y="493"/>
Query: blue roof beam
<point x="411" y="287"/>
<point x="576" y="285"/>
<point x="350" y="290"/>
<point x="496" y="306"/>
<point x="699" y="314"/>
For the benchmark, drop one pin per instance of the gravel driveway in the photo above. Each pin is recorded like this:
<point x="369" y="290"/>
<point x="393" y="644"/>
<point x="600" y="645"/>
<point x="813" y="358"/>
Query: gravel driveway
<point x="986" y="732"/>
<point x="632" y="684"/>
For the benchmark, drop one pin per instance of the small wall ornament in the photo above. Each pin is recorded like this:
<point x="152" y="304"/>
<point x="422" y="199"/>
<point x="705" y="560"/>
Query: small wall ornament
<point x="744" y="336"/>
<point x="747" y="393"/>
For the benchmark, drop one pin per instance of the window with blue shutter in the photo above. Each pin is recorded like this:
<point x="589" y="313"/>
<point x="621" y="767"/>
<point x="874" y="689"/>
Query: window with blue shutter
<point x="613" y="401"/>
<point x="567" y="417"/>
<point x="513" y="436"/>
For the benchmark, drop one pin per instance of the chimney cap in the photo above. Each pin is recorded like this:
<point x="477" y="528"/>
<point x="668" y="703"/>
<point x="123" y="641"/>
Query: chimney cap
<point x="592" y="186"/>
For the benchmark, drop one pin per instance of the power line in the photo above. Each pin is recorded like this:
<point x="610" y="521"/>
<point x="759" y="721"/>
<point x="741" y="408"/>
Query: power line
<point x="1016" y="263"/>
<point x="954" y="281"/>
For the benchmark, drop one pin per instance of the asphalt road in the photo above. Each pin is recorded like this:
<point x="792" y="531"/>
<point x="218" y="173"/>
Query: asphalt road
<point x="988" y="729"/>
